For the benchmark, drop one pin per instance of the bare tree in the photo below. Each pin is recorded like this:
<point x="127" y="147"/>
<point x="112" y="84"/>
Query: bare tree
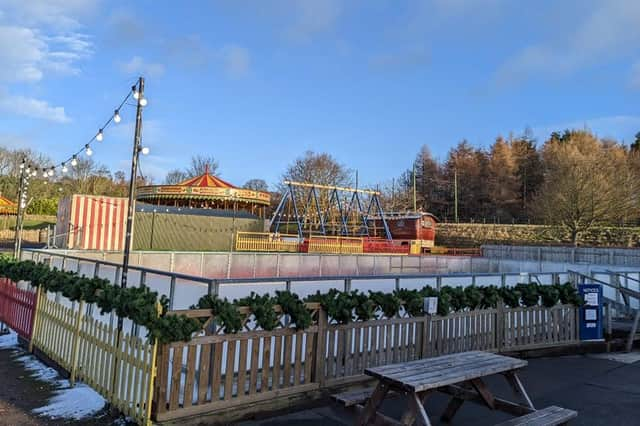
<point x="256" y="185"/>
<point x="200" y="163"/>
<point x="319" y="168"/>
<point x="175" y="176"/>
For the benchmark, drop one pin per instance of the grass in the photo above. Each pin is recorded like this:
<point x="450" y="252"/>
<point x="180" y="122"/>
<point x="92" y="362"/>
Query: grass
<point x="29" y="223"/>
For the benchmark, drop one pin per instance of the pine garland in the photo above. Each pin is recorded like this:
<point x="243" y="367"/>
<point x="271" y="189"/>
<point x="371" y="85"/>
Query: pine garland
<point x="135" y="303"/>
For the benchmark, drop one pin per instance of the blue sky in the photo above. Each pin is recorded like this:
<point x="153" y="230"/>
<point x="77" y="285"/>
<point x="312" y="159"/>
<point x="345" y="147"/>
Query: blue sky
<point x="256" y="83"/>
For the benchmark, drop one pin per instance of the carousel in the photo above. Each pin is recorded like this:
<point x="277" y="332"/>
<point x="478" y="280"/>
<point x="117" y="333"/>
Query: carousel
<point x="205" y="192"/>
<point x="7" y="207"/>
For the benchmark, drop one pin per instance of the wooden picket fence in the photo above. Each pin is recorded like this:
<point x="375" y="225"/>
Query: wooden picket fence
<point x="17" y="307"/>
<point x="117" y="365"/>
<point x="218" y="371"/>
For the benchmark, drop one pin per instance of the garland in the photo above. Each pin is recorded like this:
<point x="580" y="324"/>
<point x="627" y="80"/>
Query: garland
<point x="344" y="307"/>
<point x="135" y="303"/>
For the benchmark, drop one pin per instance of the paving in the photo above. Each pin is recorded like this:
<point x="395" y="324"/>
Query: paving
<point x="604" y="389"/>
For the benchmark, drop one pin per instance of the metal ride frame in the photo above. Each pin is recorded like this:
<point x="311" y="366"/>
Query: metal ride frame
<point x="312" y="199"/>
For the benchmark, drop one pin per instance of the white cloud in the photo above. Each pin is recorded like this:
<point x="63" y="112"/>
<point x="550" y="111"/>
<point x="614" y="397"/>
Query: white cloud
<point x="236" y="60"/>
<point x="22" y="52"/>
<point x="634" y="81"/>
<point x="312" y="17"/>
<point x="139" y="66"/>
<point x="404" y="58"/>
<point x="608" y="29"/>
<point x="34" y="108"/>
<point x="60" y="15"/>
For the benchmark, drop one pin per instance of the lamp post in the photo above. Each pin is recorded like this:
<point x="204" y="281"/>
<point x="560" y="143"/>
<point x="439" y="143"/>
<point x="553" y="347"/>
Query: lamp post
<point x="138" y="91"/>
<point x="17" y="242"/>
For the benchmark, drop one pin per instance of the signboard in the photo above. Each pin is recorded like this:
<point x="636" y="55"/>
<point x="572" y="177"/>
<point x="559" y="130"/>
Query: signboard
<point x="591" y="312"/>
<point x="430" y="305"/>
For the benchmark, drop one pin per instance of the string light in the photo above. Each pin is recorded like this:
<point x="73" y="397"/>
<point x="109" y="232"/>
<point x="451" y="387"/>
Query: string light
<point x="99" y="137"/>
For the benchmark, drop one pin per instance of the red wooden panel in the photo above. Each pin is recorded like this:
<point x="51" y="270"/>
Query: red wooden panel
<point x="17" y="307"/>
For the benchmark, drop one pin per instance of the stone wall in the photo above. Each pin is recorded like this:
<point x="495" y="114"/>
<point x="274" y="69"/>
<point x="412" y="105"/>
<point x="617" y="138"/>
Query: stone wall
<point x="474" y="234"/>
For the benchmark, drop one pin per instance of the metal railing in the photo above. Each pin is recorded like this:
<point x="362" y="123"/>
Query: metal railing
<point x="42" y="256"/>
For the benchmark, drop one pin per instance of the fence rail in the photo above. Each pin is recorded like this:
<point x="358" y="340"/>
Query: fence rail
<point x="267" y="242"/>
<point x="216" y="372"/>
<point x="17" y="307"/>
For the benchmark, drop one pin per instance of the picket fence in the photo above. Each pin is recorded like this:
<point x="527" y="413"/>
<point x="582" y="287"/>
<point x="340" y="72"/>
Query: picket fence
<point x="119" y="366"/>
<point x="218" y="372"/>
<point x="17" y="307"/>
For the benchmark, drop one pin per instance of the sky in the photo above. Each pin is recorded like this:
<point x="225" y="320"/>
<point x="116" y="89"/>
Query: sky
<point x="256" y="83"/>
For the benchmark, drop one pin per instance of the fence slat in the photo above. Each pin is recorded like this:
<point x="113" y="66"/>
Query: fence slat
<point x="190" y="376"/>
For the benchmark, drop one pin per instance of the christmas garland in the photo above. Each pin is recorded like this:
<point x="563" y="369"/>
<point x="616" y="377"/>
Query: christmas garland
<point x="135" y="303"/>
<point x="139" y="303"/>
<point x="345" y="307"/>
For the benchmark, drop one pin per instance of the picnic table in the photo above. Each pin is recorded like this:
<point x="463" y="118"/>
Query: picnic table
<point x="459" y="375"/>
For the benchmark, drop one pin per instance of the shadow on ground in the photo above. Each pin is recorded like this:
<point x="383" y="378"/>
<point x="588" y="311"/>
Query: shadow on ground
<point x="603" y="391"/>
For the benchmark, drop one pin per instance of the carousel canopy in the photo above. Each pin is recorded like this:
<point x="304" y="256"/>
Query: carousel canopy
<point x="203" y="187"/>
<point x="7" y="206"/>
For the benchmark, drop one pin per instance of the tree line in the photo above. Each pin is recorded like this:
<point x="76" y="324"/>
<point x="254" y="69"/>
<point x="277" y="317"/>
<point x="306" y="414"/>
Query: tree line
<point x="574" y="180"/>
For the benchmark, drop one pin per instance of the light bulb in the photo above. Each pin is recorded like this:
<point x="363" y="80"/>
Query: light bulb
<point x="64" y="168"/>
<point x="144" y="150"/>
<point x="45" y="174"/>
<point x="51" y="172"/>
<point x="89" y="151"/>
<point x="23" y="205"/>
<point x="74" y="161"/>
<point x="22" y="165"/>
<point x="143" y="101"/>
<point x="35" y="172"/>
<point x="29" y="170"/>
<point x="99" y="136"/>
<point x="135" y="92"/>
<point x="116" y="116"/>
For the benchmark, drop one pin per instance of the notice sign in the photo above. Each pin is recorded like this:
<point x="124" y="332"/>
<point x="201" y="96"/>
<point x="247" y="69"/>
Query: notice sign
<point x="591" y="299"/>
<point x="591" y="327"/>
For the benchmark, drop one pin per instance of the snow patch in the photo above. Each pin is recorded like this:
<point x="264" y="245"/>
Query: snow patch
<point x="38" y="370"/>
<point x="9" y="340"/>
<point x="75" y="402"/>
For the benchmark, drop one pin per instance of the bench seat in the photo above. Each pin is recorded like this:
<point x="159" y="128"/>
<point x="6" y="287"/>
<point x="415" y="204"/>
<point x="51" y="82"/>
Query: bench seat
<point x="549" y="416"/>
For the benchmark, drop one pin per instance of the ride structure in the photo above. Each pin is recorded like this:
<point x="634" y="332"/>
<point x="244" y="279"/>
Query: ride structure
<point x="322" y="210"/>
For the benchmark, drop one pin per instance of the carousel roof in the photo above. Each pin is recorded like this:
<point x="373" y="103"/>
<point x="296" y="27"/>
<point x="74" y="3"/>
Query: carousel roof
<point x="203" y="187"/>
<point x="7" y="206"/>
<point x="206" y="180"/>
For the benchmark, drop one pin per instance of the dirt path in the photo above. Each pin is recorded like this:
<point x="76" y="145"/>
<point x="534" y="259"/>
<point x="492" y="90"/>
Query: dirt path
<point x="20" y="393"/>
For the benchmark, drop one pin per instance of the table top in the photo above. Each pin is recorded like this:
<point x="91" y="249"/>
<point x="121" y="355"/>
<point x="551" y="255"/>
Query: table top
<point x="432" y="373"/>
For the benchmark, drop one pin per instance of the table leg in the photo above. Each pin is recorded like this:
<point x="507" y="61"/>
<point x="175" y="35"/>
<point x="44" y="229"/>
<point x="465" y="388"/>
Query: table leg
<point x="421" y="412"/>
<point x="452" y="408"/>
<point x="518" y="388"/>
<point x="416" y="409"/>
<point x="484" y="393"/>
<point x="371" y="407"/>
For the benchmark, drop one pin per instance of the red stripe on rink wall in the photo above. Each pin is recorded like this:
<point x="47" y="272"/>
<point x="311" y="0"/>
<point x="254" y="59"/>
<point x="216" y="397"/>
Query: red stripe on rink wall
<point x="17" y="308"/>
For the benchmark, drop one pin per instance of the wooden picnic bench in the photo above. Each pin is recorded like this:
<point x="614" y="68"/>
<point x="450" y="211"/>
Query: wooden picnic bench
<point x="459" y="375"/>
